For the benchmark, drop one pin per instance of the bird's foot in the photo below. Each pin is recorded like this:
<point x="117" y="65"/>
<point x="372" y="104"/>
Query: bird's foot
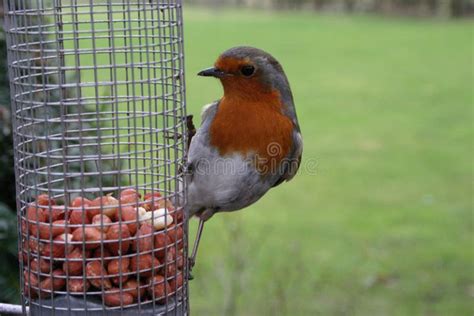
<point x="191" y="263"/>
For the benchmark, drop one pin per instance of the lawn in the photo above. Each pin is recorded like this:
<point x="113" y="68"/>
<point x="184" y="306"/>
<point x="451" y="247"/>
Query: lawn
<point x="379" y="221"/>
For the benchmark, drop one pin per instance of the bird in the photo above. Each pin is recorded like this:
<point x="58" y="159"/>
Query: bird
<point x="249" y="140"/>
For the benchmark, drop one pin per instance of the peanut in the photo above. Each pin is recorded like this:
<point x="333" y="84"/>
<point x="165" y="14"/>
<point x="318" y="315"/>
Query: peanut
<point x="78" y="286"/>
<point x="176" y="283"/>
<point x="74" y="263"/>
<point x="97" y="275"/>
<point x="117" y="267"/>
<point x="40" y="265"/>
<point x="115" y="297"/>
<point x="101" y="222"/>
<point x="158" y="218"/>
<point x="144" y="264"/>
<point x="90" y="235"/>
<point x="43" y="199"/>
<point x="47" y="231"/>
<point x="119" y="233"/>
<point x="53" y="283"/>
<point x="143" y="238"/>
<point x="57" y="249"/>
<point x="158" y="288"/>
<point x="57" y="212"/>
<point x="105" y="255"/>
<point x="107" y="205"/>
<point x="137" y="290"/>
<point x="162" y="241"/>
<point x="80" y="213"/>
<point x="129" y="216"/>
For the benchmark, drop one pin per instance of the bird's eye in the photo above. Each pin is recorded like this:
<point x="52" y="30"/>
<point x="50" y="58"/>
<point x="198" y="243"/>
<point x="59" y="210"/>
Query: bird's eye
<point x="247" y="70"/>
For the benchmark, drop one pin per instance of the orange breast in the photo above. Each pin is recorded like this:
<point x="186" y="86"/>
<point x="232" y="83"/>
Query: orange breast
<point x="252" y="125"/>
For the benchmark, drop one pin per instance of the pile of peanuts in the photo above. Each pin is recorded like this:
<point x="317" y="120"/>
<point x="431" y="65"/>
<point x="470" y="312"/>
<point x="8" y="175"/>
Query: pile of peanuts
<point x="124" y="250"/>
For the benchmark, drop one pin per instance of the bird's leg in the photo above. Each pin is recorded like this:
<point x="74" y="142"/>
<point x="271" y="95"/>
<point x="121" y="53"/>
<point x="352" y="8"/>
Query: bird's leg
<point x="203" y="217"/>
<point x="192" y="259"/>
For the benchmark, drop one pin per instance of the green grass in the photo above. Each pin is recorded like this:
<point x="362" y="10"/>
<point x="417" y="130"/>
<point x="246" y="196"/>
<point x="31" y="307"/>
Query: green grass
<point x="379" y="220"/>
<point x="384" y="225"/>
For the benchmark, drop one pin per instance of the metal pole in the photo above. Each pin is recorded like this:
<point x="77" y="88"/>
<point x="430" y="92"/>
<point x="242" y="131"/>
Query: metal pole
<point x="11" y="309"/>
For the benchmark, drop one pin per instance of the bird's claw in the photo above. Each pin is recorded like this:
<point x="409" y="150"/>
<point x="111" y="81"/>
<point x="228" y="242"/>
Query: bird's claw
<point x="191" y="263"/>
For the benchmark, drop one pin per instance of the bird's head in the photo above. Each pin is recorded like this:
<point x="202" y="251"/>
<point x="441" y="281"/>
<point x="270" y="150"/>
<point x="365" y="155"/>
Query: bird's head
<point x="248" y="72"/>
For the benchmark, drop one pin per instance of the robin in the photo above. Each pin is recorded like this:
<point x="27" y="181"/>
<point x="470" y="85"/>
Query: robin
<point x="249" y="140"/>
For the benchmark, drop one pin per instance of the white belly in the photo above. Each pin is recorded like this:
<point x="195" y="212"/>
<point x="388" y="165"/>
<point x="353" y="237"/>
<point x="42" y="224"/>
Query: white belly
<point x="227" y="184"/>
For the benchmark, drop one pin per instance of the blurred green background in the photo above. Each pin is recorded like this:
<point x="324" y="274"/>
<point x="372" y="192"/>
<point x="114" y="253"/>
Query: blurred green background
<point x="379" y="220"/>
<point x="384" y="225"/>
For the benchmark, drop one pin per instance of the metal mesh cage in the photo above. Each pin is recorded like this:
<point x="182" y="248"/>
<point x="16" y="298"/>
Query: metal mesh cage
<point x="97" y="91"/>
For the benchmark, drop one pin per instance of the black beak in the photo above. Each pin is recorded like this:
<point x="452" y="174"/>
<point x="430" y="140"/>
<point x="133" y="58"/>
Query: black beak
<point x="212" y="72"/>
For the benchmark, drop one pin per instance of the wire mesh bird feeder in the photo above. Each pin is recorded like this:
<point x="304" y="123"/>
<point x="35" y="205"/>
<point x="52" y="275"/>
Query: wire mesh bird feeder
<point x="97" y="92"/>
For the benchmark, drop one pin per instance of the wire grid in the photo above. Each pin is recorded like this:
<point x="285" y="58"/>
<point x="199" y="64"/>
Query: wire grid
<point x="97" y="91"/>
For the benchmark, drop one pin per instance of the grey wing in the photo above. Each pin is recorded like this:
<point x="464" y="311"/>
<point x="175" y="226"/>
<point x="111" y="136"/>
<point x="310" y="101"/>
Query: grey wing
<point x="198" y="152"/>
<point x="198" y="143"/>
<point x="293" y="160"/>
